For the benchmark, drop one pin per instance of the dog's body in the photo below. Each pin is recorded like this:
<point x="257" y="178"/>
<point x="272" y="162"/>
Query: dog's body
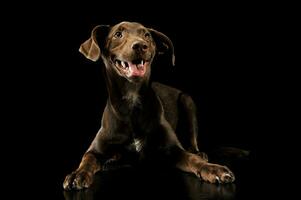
<point x="140" y="116"/>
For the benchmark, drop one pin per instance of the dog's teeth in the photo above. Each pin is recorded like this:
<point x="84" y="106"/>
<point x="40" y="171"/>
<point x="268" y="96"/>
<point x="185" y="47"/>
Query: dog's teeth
<point x="123" y="64"/>
<point x="142" y="62"/>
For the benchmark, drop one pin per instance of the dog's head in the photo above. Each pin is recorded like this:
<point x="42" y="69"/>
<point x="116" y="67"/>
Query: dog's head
<point x="127" y="48"/>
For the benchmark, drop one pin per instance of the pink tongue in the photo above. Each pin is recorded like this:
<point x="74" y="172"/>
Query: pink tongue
<point x="136" y="69"/>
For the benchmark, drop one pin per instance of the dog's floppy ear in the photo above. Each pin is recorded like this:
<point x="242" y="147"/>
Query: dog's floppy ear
<point x="91" y="47"/>
<point x="163" y="44"/>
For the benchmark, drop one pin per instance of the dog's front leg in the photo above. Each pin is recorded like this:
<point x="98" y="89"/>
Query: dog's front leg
<point x="209" y="172"/>
<point x="83" y="176"/>
<point x="194" y="163"/>
<point x="112" y="132"/>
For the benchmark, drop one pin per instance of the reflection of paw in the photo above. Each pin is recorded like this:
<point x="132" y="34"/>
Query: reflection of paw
<point x="80" y="194"/>
<point x="214" y="173"/>
<point x="78" y="180"/>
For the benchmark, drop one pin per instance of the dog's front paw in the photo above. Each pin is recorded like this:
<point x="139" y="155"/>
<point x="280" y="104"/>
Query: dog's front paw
<point x="214" y="173"/>
<point x="78" y="180"/>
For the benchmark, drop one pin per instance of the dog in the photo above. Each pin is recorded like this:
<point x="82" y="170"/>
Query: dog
<point x="140" y="116"/>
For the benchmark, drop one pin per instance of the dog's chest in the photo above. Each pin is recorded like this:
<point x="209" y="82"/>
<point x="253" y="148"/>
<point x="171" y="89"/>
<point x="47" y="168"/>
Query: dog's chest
<point x="138" y="144"/>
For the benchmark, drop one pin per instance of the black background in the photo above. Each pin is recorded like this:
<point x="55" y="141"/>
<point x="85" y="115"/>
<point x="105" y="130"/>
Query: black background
<point x="55" y="97"/>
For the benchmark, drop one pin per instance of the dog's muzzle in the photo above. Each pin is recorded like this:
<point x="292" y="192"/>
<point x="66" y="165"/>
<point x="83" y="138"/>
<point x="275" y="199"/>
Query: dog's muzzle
<point x="132" y="69"/>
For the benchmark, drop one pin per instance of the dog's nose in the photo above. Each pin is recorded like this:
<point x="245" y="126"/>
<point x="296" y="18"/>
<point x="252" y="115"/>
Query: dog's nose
<point x="139" y="46"/>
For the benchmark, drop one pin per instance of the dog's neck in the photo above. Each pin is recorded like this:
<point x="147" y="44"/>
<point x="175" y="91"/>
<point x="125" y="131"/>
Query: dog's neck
<point x="132" y="94"/>
<point x="123" y="94"/>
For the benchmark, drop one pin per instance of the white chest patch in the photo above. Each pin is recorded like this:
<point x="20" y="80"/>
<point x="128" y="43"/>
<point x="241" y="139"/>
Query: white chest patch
<point x="138" y="144"/>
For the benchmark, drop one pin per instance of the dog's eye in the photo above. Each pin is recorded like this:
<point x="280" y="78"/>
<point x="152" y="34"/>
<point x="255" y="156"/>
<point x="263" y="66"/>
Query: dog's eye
<point x="147" y="35"/>
<point x="118" y="34"/>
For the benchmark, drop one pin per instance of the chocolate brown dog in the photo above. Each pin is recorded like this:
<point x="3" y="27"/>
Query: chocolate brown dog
<point x="140" y="116"/>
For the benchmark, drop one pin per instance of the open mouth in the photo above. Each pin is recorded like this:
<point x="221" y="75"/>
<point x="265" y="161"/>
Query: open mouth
<point x="135" y="68"/>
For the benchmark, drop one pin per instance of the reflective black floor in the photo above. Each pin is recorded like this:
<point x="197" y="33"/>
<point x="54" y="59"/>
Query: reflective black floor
<point x="129" y="183"/>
